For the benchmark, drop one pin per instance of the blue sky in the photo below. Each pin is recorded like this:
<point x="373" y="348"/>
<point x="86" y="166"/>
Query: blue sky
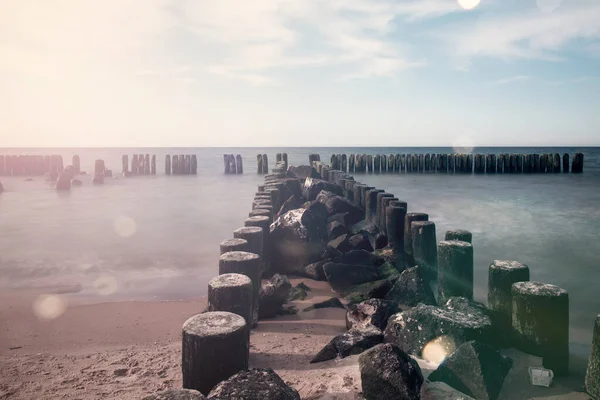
<point x="299" y="72"/>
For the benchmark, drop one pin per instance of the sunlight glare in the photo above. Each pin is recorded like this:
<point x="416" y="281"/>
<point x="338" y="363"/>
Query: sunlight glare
<point x="106" y="285"/>
<point x="125" y="226"/>
<point x="438" y="349"/>
<point x="49" y="307"/>
<point x="463" y="144"/>
<point x="468" y="4"/>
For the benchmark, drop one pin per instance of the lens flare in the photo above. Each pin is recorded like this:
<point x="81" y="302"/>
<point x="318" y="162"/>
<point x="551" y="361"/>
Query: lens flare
<point x="438" y="349"/>
<point x="125" y="226"/>
<point x="49" y="307"/>
<point x="463" y="144"/>
<point x="468" y="4"/>
<point x="106" y="285"/>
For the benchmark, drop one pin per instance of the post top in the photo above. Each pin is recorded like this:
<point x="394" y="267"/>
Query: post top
<point x="215" y="323"/>
<point x="248" y="230"/>
<point x="508" y="265"/>
<point x="454" y="243"/>
<point x="538" y="289"/>
<point x="230" y="280"/>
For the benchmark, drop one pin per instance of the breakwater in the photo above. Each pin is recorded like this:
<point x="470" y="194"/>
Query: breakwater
<point x="504" y="163"/>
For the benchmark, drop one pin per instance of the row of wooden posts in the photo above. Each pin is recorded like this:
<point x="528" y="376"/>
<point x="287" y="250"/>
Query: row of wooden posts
<point x="140" y="164"/>
<point x="262" y="162"/>
<point x="455" y="163"/>
<point x="181" y="164"/>
<point x="233" y="164"/>
<point x="34" y="165"/>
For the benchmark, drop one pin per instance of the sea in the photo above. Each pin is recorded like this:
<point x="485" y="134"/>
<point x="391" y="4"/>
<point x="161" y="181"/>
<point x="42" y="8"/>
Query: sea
<point x="157" y="237"/>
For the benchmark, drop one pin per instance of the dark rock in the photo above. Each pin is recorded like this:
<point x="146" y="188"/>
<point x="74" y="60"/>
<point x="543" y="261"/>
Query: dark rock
<point x="333" y="302"/>
<point x="303" y="172"/>
<point x="364" y="226"/>
<point x="413" y="329"/>
<point x="342" y="276"/>
<point x="176" y="394"/>
<point x="411" y="289"/>
<point x="468" y="306"/>
<point x="288" y="309"/>
<point x="290" y="204"/>
<point x="380" y="241"/>
<point x="290" y="187"/>
<point x="76" y="182"/>
<point x="360" y="242"/>
<point x="254" y="384"/>
<point x="340" y="205"/>
<point x="302" y="286"/>
<point x="361" y="257"/>
<point x="332" y="254"/>
<point x="315" y="219"/>
<point x="355" y="341"/>
<point x="370" y="290"/>
<point x="476" y="369"/>
<point x="312" y="188"/>
<point x="335" y="229"/>
<point x="388" y="373"/>
<point x="315" y="270"/>
<point x="297" y="293"/>
<point x="372" y="312"/>
<point x="273" y="295"/>
<point x="342" y="218"/>
<point x="341" y="244"/>
<point x="295" y="239"/>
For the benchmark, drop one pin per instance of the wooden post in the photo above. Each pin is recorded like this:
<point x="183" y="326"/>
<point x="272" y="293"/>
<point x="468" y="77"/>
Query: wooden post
<point x="380" y="210"/>
<point x="427" y="163"/>
<point x="239" y="164"/>
<point x="134" y="164"/>
<point x="424" y="248"/>
<point x="455" y="270"/>
<point x="556" y="163"/>
<point x="542" y="163"/>
<point x="395" y="216"/>
<point x="363" y="190"/>
<point x="540" y="318"/>
<point x="241" y="262"/>
<point x="235" y="244"/>
<point x="501" y="276"/>
<point x="99" y="169"/>
<point x="175" y="162"/>
<point x="231" y="293"/>
<point x="76" y="163"/>
<point x="351" y="161"/>
<point x="409" y="219"/>
<point x="592" y="377"/>
<point x="226" y="163"/>
<point x="469" y="163"/>
<point x="215" y="346"/>
<point x="377" y="163"/>
<point x="566" y="163"/>
<point x="536" y="163"/>
<point x="459" y="234"/>
<point x="265" y="164"/>
<point x="371" y="204"/>
<point x="194" y="164"/>
<point x="125" y="164"/>
<point x="520" y="163"/>
<point x="264" y="223"/>
<point x="147" y="164"/>
<point x="451" y="163"/>
<point x="421" y="163"/>
<point x="284" y="157"/>
<point x="153" y="164"/>
<point x="344" y="163"/>
<point x="577" y="164"/>
<point x="2" y="166"/>
<point x="369" y="163"/>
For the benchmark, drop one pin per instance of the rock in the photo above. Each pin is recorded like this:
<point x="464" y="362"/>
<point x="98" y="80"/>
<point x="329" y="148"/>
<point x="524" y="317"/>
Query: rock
<point x="332" y="254"/>
<point x="342" y="276"/>
<point x="315" y="219"/>
<point x="76" y="182"/>
<point x="355" y="341"/>
<point x="295" y="239"/>
<point x="372" y="312"/>
<point x="360" y="242"/>
<point x="335" y="229"/>
<point x="315" y="270"/>
<point x="63" y="181"/>
<point x="312" y="188"/>
<point x="380" y="241"/>
<point x="361" y="257"/>
<point x="468" y="307"/>
<point x="254" y="384"/>
<point x="411" y="289"/>
<point x="412" y="330"/>
<point x="120" y="372"/>
<point x="342" y="218"/>
<point x="341" y="244"/>
<point x="273" y="295"/>
<point x="441" y="391"/>
<point x="303" y="172"/>
<point x="297" y="293"/>
<point x="333" y="302"/>
<point x="388" y="373"/>
<point x="359" y="293"/>
<point x="290" y="204"/>
<point x="302" y="286"/>
<point x="340" y="205"/>
<point x="289" y="187"/>
<point x="476" y="369"/>
<point x="176" y="394"/>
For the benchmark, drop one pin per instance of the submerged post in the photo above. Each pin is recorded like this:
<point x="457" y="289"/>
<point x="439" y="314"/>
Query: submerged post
<point x="239" y="165"/>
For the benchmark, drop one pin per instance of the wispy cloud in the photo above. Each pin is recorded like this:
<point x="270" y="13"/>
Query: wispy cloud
<point x="512" y="79"/>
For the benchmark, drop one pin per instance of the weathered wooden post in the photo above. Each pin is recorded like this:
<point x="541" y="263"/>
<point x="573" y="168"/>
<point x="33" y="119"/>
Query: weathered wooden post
<point x="235" y="244"/>
<point x="371" y="204"/>
<point x="469" y="163"/>
<point x="424" y="248"/>
<point x="500" y="168"/>
<point x="401" y="167"/>
<point x="147" y="164"/>
<point x="253" y="235"/>
<point x="459" y="234"/>
<point x="384" y="163"/>
<point x="231" y="293"/>
<point x="391" y="163"/>
<point x="408" y="221"/>
<point x="536" y="163"/>
<point x="153" y="164"/>
<point x="99" y="169"/>
<point x="451" y="163"/>
<point x="2" y="166"/>
<point x="134" y="164"/>
<point x="125" y="165"/>
<point x="344" y="162"/>
<point x="239" y="165"/>
<point x="227" y="163"/>
<point x="577" y="164"/>
<point x="427" y="163"/>
<point x="434" y="162"/>
<point x="527" y="163"/>
<point x="63" y="182"/>
<point x="379" y="211"/>
<point x="520" y="163"/>
<point x="455" y="270"/>
<point x="194" y="164"/>
<point x="415" y="162"/>
<point x="8" y="165"/>
<point x="265" y="164"/>
<point x="284" y="157"/>
<point x="540" y="318"/>
<point x="215" y="346"/>
<point x="501" y="276"/>
<point x="264" y="223"/>
<point x="363" y="190"/>
<point x="478" y="169"/>
<point x="377" y="163"/>
<point x="394" y="223"/>
<point x="76" y="163"/>
<point x="175" y="164"/>
<point x="549" y="163"/>
<point x="592" y="377"/>
<point x="556" y="163"/>
<point x="369" y="163"/>
<point x="385" y="202"/>
<point x="278" y="157"/>
<point x="512" y="164"/>
<point x="351" y="161"/>
<point x="249" y="264"/>
<point x="421" y="163"/>
<point x="398" y="163"/>
<point x="566" y="166"/>
<point x="259" y="164"/>
<point x="542" y="163"/>
<point x="409" y="164"/>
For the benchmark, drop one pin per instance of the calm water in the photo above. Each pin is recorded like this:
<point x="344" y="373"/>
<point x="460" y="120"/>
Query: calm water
<point x="157" y="237"/>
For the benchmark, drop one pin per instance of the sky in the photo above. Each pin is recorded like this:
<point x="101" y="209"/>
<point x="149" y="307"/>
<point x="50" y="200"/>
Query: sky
<point x="299" y="73"/>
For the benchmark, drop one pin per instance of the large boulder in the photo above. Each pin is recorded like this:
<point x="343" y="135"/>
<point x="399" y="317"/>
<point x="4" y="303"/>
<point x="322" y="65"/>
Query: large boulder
<point x="289" y="204"/>
<point x="315" y="270"/>
<point x="342" y="276"/>
<point x="354" y="341"/>
<point x="476" y="369"/>
<point x="335" y="229"/>
<point x="360" y="241"/>
<point x="370" y="290"/>
<point x="361" y="257"/>
<point x="312" y="188"/>
<point x="340" y="243"/>
<point x="411" y="289"/>
<point x="388" y="373"/>
<point x="273" y="295"/>
<point x="441" y="391"/>
<point x="342" y="218"/>
<point x="412" y="330"/>
<point x="340" y="205"/>
<point x="372" y="312"/>
<point x="296" y="239"/>
<point x="254" y="384"/>
<point x="302" y="172"/>
<point x="289" y="187"/>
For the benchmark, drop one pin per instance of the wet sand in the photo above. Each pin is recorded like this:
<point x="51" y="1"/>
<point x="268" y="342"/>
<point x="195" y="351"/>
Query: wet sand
<point x="127" y="350"/>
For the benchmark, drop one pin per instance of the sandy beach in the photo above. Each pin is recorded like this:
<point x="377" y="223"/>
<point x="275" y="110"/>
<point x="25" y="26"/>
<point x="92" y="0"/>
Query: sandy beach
<point x="126" y="350"/>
